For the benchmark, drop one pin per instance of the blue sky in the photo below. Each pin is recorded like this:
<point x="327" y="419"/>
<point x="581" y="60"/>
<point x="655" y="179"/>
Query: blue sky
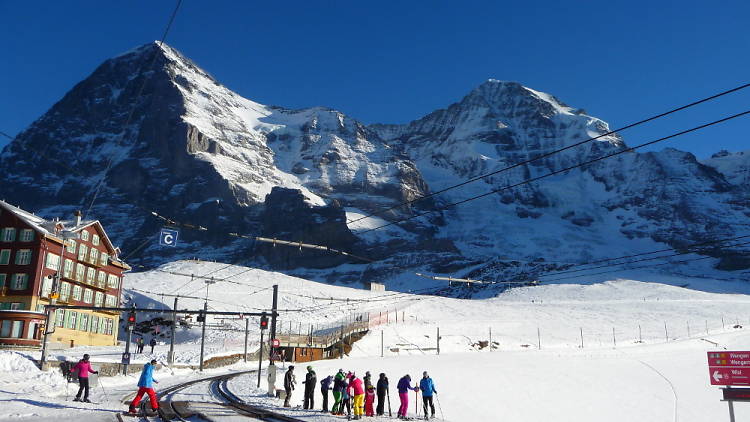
<point x="392" y="62"/>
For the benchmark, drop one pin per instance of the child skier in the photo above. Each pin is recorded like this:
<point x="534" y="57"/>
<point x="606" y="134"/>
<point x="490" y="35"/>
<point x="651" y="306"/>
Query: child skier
<point x="369" y="400"/>
<point x="146" y="386"/>
<point x="82" y="369"/>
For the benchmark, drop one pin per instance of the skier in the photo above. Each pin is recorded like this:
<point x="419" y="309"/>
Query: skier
<point x="325" y="385"/>
<point x="82" y="369"/>
<point x="369" y="400"/>
<point x="368" y="380"/>
<point x="339" y="385"/>
<point x="404" y="385"/>
<point x="346" y="396"/>
<point x="358" y="394"/>
<point x="427" y="387"/>
<point x="146" y="386"/>
<point x="139" y="345"/>
<point x="310" y="380"/>
<point x="289" y="382"/>
<point x="152" y="343"/>
<point x="382" y="390"/>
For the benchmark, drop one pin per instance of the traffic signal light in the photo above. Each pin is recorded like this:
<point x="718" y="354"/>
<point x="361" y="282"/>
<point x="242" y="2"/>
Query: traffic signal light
<point x="131" y="320"/>
<point x="201" y="317"/>
<point x="263" y="322"/>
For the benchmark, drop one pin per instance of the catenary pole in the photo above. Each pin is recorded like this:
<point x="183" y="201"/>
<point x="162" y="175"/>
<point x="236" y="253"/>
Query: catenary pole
<point x="170" y="357"/>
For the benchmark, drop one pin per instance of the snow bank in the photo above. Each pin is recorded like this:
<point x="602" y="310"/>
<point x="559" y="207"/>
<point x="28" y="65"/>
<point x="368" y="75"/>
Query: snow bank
<point x="19" y="375"/>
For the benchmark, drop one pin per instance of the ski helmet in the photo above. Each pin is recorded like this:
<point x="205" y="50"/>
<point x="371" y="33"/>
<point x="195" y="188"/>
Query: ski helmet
<point x="86" y="356"/>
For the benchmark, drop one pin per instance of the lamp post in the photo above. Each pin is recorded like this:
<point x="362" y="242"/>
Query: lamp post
<point x="55" y="291"/>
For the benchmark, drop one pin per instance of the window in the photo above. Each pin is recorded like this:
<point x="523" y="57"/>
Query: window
<point x="16" y="306"/>
<point x="84" y="322"/>
<point x="26" y="235"/>
<point x="98" y="299"/>
<point x="2" y="280"/>
<point x="40" y="308"/>
<point x="23" y="257"/>
<point x="71" y="246"/>
<point x="113" y="281"/>
<point x="60" y="318"/>
<point x="109" y="327"/>
<point x="5" y="328"/>
<point x="72" y="319"/>
<point x="103" y="258"/>
<point x="4" y="306"/>
<point x="68" y="270"/>
<point x="95" y="240"/>
<point x="77" y="290"/>
<point x="94" y="256"/>
<point x="111" y="301"/>
<point x="64" y="291"/>
<point x="52" y="261"/>
<point x="4" y="256"/>
<point x="90" y="275"/>
<point x="80" y="271"/>
<point x="101" y="278"/>
<point x="17" y="330"/>
<point x="88" y="296"/>
<point x="85" y="236"/>
<point x="102" y="325"/>
<point x="19" y="282"/>
<point x="94" y="324"/>
<point x="46" y="286"/>
<point x="82" y="251"/>
<point x="8" y="234"/>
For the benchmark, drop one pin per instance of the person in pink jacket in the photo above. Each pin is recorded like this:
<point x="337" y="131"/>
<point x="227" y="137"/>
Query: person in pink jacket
<point x="82" y="369"/>
<point x="358" y="390"/>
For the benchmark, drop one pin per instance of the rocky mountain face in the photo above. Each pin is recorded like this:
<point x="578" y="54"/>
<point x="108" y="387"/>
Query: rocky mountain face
<point x="199" y="153"/>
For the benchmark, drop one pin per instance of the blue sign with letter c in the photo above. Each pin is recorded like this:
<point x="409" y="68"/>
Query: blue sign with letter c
<point x="168" y="237"/>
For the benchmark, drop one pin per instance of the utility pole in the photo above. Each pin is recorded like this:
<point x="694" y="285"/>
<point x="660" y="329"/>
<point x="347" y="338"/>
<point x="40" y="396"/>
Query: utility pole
<point x="247" y="329"/>
<point x="438" y="340"/>
<point x="203" y="334"/>
<point x="274" y="311"/>
<point x="260" y="357"/>
<point x="170" y="356"/>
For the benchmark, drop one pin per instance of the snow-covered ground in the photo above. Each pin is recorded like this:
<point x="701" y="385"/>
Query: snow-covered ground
<point x="643" y="356"/>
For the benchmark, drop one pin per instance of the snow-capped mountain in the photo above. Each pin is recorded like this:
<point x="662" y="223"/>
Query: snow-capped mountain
<point x="197" y="152"/>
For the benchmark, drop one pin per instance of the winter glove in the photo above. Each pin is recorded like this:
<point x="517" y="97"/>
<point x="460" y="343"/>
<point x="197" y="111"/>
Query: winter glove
<point x="96" y="372"/>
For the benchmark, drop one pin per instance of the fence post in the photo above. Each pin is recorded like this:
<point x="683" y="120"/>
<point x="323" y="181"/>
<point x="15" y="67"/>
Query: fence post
<point x="614" y="339"/>
<point x="438" y="340"/>
<point x="688" y="326"/>
<point x="666" y="333"/>
<point x="722" y="323"/>
<point x="640" y="334"/>
<point x="381" y="343"/>
<point x="706" y="327"/>
<point x="538" y="339"/>
<point x="581" y="337"/>
<point x="490" y="339"/>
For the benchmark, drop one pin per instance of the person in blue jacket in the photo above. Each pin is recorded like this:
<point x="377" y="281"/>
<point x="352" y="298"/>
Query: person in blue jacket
<point x="145" y="386"/>
<point x="427" y="387"/>
<point x="325" y="385"/>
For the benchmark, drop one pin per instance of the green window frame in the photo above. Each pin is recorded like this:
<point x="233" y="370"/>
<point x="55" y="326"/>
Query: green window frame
<point x="23" y="257"/>
<point x="26" y="235"/>
<point x="4" y="256"/>
<point x="8" y="234"/>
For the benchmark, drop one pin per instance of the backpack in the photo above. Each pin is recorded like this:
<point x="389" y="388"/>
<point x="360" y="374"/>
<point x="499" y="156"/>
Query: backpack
<point x="67" y="370"/>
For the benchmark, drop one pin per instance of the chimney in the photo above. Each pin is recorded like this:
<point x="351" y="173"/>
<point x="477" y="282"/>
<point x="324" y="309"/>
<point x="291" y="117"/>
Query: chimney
<point x="78" y="214"/>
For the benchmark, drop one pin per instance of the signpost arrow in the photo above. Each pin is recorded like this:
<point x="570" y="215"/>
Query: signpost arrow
<point x="717" y="376"/>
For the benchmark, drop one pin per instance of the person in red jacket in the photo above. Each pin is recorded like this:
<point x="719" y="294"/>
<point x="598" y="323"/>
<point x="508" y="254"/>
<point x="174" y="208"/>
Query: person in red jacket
<point x="82" y="369"/>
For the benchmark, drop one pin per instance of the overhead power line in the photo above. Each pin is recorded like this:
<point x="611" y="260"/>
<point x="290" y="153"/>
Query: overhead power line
<point x="534" y="179"/>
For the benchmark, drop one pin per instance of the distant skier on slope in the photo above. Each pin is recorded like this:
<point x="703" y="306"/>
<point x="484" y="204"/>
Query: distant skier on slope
<point x="403" y="386"/>
<point x="82" y="369"/>
<point x="310" y="381"/>
<point x="427" y="387"/>
<point x="146" y="386"/>
<point x="382" y="390"/>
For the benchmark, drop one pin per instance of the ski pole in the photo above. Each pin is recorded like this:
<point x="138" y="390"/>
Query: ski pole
<point x="440" y="407"/>
<point x="101" y="384"/>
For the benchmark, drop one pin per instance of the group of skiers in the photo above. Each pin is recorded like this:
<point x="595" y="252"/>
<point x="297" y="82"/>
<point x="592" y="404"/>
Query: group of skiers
<point x="358" y="396"/>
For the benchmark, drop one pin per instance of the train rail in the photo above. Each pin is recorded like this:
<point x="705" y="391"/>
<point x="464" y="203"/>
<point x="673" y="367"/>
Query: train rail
<point x="227" y="403"/>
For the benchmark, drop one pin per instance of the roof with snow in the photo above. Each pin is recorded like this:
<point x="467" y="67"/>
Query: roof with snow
<point x="51" y="229"/>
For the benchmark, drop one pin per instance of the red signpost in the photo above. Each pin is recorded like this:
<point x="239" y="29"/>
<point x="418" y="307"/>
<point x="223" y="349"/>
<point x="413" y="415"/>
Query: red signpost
<point x="730" y="369"/>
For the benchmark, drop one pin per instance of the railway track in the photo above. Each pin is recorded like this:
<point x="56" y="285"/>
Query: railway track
<point x="227" y="403"/>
